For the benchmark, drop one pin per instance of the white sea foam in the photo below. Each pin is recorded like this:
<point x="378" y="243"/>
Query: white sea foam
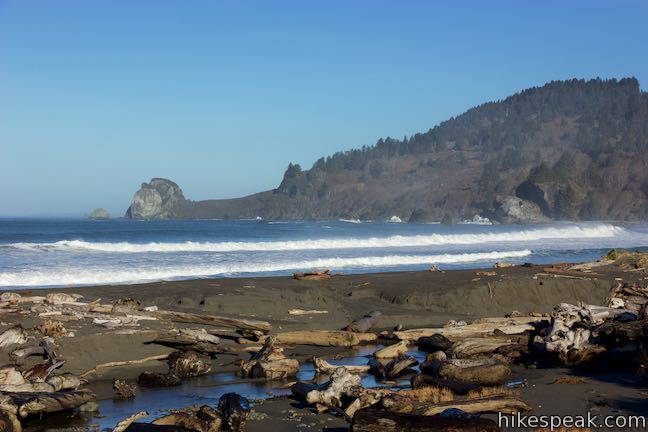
<point x="89" y="276"/>
<point x="576" y="232"/>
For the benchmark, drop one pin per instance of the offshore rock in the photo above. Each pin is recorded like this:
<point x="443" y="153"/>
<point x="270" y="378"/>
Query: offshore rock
<point x="158" y="199"/>
<point x="99" y="214"/>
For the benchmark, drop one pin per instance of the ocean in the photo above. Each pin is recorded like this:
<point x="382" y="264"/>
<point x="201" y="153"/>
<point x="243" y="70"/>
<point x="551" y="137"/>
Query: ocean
<point x="38" y="253"/>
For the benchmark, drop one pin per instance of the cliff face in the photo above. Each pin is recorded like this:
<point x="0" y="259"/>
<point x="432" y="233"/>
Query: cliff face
<point x="570" y="150"/>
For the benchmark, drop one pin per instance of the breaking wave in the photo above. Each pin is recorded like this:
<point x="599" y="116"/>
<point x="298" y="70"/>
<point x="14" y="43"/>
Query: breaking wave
<point x="99" y="276"/>
<point x="529" y="235"/>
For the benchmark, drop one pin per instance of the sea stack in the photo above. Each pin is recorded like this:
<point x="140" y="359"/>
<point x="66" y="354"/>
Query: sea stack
<point x="158" y="199"/>
<point x="99" y="214"/>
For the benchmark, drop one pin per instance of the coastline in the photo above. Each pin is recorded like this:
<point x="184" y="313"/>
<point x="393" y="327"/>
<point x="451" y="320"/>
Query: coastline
<point x="408" y="299"/>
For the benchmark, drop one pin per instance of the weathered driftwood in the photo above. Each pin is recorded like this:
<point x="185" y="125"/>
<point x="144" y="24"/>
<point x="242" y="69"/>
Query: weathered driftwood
<point x="270" y="363"/>
<point x="124" y="424"/>
<point x="25" y="404"/>
<point x="375" y="420"/>
<point x="457" y="387"/>
<point x="123" y="363"/>
<point x="342" y="383"/>
<point x="11" y="380"/>
<point x="153" y="379"/>
<point x="512" y="325"/>
<point x="214" y="320"/>
<point x="503" y="404"/>
<point x="338" y="338"/>
<point x="41" y="371"/>
<point x="366" y="398"/>
<point x="66" y="381"/>
<point x="475" y="346"/>
<point x="399" y="365"/>
<point x="123" y="390"/>
<point x="306" y="312"/>
<point x="203" y="419"/>
<point x="234" y="410"/>
<point x="186" y="364"/>
<point x="324" y="367"/>
<point x="391" y="351"/>
<point x="435" y="342"/>
<point x="316" y="275"/>
<point x="13" y="336"/>
<point x="19" y="355"/>
<point x="484" y="375"/>
<point x="365" y="323"/>
<point x="433" y="362"/>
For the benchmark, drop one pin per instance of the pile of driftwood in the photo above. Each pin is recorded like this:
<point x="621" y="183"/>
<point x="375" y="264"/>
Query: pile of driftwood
<point x="29" y="387"/>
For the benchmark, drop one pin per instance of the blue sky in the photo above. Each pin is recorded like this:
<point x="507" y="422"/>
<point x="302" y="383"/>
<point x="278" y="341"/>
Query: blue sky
<point x="219" y="96"/>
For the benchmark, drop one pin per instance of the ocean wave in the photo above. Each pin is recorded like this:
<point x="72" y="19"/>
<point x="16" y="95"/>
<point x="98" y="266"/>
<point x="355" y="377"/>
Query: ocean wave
<point x="578" y="232"/>
<point x="112" y="275"/>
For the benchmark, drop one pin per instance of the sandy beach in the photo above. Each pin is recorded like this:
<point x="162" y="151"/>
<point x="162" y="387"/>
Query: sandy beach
<point x="405" y="299"/>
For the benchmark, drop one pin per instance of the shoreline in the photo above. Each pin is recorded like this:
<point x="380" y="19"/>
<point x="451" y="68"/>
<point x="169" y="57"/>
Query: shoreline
<point x="416" y="299"/>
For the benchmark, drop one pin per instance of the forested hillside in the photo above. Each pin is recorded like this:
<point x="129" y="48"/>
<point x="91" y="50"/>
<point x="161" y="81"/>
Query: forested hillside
<point x="567" y="150"/>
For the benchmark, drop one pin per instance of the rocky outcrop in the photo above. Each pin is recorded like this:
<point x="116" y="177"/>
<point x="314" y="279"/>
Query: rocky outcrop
<point x="158" y="199"/>
<point x="99" y="214"/>
<point x="514" y="210"/>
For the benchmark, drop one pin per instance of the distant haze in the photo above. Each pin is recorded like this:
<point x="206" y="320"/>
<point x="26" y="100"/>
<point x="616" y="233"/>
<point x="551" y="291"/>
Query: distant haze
<point x="97" y="97"/>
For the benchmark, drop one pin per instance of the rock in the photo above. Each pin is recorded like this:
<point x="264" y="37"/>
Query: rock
<point x="158" y="199"/>
<point x="519" y="211"/>
<point x="99" y="214"/>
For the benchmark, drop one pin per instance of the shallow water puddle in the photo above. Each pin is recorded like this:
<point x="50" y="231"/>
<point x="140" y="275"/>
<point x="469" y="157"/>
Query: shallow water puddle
<point x="207" y="390"/>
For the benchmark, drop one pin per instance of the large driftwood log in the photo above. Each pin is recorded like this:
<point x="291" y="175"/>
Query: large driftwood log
<point x="365" y="323"/>
<point x="324" y="367"/>
<point x="375" y="420"/>
<point x="471" y="347"/>
<point x="214" y="320"/>
<point x="391" y="351"/>
<point x="399" y="366"/>
<point x="503" y="404"/>
<point x="512" y="325"/>
<point x="484" y="375"/>
<point x="25" y="404"/>
<point x="339" y="338"/>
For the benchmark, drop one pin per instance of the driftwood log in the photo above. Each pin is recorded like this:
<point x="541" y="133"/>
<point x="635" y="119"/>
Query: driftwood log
<point x="339" y="338"/>
<point x="203" y="419"/>
<point x="342" y="383"/>
<point x="153" y="379"/>
<point x="391" y="351"/>
<point x="313" y="276"/>
<point x="270" y="363"/>
<point x="478" y="328"/>
<point x="399" y="365"/>
<point x="187" y="364"/>
<point x="24" y="404"/>
<point x="376" y="367"/>
<point x="365" y="323"/>
<point x="483" y="375"/>
<point x="214" y="320"/>
<point x="324" y="367"/>
<point x="375" y="420"/>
